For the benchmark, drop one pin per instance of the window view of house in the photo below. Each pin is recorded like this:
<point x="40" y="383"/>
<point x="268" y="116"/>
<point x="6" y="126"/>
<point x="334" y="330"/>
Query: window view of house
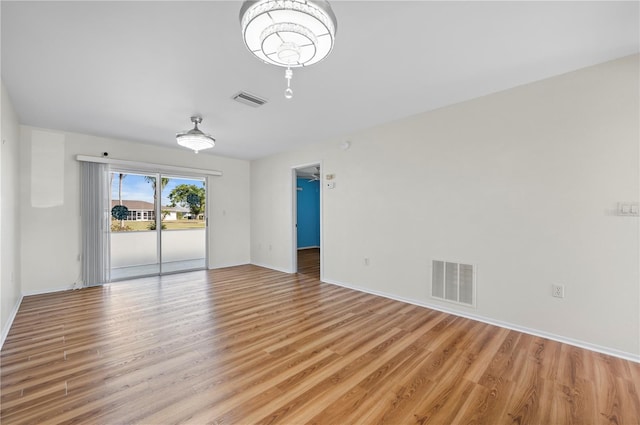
<point x="133" y="203"/>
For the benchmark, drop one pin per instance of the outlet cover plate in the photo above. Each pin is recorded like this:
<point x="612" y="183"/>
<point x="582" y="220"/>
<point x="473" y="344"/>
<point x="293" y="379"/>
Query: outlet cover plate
<point x="557" y="291"/>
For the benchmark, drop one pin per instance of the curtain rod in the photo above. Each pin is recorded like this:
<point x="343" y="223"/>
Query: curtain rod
<point x="146" y="166"/>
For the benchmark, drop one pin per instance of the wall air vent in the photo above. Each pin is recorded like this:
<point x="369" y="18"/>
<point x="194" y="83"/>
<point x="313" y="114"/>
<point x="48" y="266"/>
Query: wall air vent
<point x="249" y="99"/>
<point x="454" y="282"/>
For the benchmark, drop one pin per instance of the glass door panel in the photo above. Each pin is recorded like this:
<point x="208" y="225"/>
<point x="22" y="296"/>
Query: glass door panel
<point x="183" y="235"/>
<point x="134" y="237"/>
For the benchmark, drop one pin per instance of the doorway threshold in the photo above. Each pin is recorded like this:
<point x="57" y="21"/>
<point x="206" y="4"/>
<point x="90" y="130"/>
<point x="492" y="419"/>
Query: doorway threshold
<point x="121" y="273"/>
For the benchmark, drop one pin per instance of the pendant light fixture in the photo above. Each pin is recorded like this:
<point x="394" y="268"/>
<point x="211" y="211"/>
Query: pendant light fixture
<point x="194" y="138"/>
<point x="288" y="33"/>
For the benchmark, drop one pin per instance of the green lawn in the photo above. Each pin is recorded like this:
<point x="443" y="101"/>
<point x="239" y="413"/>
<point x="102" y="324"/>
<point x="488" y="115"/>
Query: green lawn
<point x="170" y="225"/>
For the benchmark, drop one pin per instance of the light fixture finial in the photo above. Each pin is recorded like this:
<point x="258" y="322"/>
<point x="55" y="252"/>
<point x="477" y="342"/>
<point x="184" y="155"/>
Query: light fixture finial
<point x="288" y="74"/>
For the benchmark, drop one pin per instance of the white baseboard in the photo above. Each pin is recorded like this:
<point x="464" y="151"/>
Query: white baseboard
<point x="224" y="266"/>
<point x="308" y="247"/>
<point x="272" y="268"/>
<point x="577" y="343"/>
<point x="49" y="291"/>
<point x="7" y="326"/>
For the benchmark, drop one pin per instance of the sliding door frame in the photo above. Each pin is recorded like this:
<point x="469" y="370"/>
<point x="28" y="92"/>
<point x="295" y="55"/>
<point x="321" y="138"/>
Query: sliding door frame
<point x="163" y="169"/>
<point x="158" y="175"/>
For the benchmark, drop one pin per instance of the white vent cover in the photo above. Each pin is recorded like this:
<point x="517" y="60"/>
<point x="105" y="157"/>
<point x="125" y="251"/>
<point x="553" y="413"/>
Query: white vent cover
<point x="455" y="282"/>
<point x="249" y="99"/>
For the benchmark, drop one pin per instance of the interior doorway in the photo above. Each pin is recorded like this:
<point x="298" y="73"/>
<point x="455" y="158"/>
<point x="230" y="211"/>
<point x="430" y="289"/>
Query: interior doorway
<point x="307" y="219"/>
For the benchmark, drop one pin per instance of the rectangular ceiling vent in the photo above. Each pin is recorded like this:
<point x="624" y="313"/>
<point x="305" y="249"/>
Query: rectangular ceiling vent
<point x="249" y="99"/>
<point x="453" y="282"/>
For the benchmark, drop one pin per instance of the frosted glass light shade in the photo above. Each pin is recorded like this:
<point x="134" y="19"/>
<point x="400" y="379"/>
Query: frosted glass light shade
<point x="288" y="33"/>
<point x="194" y="138"/>
<point x="197" y="142"/>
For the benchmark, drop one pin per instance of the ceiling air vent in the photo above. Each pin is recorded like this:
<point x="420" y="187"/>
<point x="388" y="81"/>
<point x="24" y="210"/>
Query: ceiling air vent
<point x="249" y="99"/>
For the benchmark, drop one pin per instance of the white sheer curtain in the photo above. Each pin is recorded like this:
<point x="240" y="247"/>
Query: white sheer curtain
<point x="95" y="218"/>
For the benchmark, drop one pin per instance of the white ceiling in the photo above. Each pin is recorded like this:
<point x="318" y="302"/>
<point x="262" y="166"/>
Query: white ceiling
<point x="138" y="70"/>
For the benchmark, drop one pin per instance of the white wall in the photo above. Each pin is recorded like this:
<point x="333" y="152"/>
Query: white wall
<point x="9" y="218"/>
<point x="522" y="183"/>
<point x="51" y="236"/>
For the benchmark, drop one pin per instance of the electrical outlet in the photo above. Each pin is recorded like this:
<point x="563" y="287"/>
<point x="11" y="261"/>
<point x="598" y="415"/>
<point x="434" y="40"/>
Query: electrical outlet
<point x="557" y="291"/>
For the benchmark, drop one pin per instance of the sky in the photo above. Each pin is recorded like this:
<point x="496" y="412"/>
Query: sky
<point x="135" y="188"/>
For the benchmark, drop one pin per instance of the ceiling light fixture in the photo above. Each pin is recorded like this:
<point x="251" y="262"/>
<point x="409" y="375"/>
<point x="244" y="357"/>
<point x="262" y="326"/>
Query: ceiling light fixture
<point x="288" y="33"/>
<point x="194" y="138"/>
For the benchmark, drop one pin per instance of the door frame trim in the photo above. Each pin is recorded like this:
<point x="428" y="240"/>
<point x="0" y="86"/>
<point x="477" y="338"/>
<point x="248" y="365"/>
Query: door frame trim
<point x="294" y="217"/>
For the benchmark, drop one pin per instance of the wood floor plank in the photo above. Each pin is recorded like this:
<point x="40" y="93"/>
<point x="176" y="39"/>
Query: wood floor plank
<point x="248" y="345"/>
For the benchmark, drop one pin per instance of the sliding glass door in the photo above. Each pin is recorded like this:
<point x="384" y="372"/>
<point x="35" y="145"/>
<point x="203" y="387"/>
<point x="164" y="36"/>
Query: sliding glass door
<point x="158" y="224"/>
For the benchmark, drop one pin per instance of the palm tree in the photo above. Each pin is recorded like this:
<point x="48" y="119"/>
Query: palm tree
<point x="163" y="183"/>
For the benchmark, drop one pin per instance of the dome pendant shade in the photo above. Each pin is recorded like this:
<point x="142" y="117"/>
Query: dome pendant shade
<point x="308" y="27"/>
<point x="194" y="138"/>
<point x="288" y="33"/>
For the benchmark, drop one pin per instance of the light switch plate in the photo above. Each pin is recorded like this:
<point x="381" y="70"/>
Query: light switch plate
<point x="629" y="209"/>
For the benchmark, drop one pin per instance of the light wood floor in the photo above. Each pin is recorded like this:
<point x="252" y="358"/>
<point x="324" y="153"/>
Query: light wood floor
<point x="247" y="345"/>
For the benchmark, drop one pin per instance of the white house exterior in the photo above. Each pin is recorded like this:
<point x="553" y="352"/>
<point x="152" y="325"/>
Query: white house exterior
<point x="145" y="211"/>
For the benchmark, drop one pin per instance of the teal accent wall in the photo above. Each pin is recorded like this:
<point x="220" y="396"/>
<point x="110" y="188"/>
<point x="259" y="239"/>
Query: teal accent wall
<point x="308" y="213"/>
